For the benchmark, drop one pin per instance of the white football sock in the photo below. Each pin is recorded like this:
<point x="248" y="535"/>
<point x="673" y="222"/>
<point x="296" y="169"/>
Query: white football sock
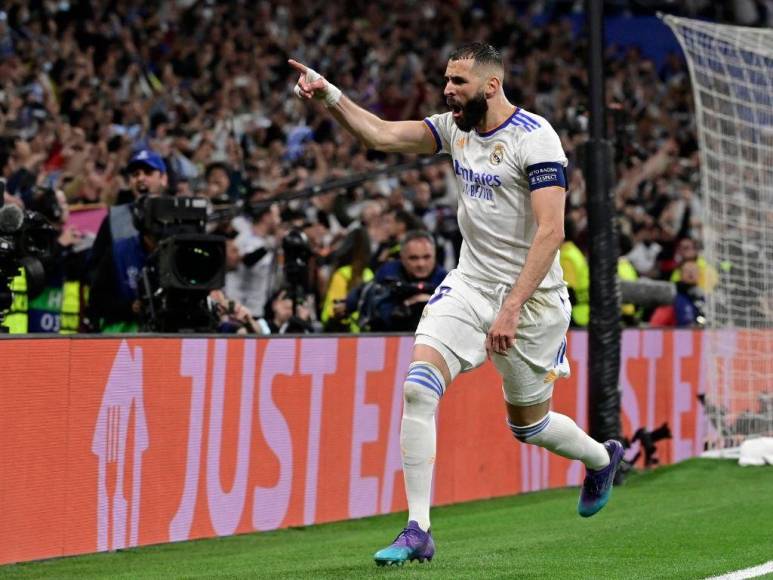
<point x="424" y="385"/>
<point x="559" y="434"/>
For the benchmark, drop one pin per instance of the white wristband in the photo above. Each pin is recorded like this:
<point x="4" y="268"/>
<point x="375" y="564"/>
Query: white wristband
<point x="329" y="96"/>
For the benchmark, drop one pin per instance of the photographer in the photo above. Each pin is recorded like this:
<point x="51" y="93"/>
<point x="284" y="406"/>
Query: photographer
<point x="56" y="308"/>
<point x="232" y="317"/>
<point x="394" y="301"/>
<point x="283" y="315"/>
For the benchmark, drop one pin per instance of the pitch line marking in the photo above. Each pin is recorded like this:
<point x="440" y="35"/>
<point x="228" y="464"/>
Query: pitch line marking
<point x="754" y="572"/>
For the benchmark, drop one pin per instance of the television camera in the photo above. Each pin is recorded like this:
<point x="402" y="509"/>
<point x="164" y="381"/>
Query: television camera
<point x="184" y="265"/>
<point x="26" y="238"/>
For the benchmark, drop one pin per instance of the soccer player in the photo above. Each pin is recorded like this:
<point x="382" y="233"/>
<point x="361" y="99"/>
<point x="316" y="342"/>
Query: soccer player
<point x="506" y="300"/>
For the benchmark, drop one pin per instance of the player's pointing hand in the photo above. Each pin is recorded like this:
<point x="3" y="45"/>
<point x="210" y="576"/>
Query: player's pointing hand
<point x="313" y="85"/>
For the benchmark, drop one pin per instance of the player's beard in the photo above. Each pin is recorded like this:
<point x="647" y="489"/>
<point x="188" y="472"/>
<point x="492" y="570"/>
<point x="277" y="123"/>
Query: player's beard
<point x="473" y="113"/>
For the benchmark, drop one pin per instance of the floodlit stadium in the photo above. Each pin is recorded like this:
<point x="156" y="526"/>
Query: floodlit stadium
<point x="451" y="290"/>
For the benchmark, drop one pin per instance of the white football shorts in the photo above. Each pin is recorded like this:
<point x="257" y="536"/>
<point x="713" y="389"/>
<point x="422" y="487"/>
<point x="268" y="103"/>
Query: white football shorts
<point x="460" y="314"/>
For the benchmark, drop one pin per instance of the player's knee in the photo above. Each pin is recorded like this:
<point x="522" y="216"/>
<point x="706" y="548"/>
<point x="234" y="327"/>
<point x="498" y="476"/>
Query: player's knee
<point x="424" y="385"/>
<point x="529" y="433"/>
<point x="419" y="399"/>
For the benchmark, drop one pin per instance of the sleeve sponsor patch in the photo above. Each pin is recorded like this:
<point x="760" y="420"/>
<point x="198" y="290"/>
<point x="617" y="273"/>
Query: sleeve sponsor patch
<point x="547" y="174"/>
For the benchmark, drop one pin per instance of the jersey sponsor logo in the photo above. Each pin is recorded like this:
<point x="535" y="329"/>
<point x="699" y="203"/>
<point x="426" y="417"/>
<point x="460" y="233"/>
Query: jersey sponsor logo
<point x="475" y="184"/>
<point x="470" y="176"/>
<point x="498" y="154"/>
<point x="477" y="191"/>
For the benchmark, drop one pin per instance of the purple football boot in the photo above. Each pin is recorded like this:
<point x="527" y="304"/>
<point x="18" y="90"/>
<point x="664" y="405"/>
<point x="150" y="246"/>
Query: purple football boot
<point x="597" y="486"/>
<point x="411" y="544"/>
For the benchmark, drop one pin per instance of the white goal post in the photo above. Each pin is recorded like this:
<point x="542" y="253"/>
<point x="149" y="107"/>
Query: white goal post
<point x="731" y="69"/>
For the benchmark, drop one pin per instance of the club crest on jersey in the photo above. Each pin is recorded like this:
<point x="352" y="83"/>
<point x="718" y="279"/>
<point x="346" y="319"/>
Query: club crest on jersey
<point x="498" y="154"/>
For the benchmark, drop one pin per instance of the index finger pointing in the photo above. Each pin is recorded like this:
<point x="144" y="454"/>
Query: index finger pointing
<point x="301" y="68"/>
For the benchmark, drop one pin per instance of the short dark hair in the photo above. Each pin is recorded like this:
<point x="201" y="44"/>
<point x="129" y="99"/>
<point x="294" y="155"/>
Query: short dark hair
<point x="214" y="166"/>
<point x="410" y="221"/>
<point x="417" y="235"/>
<point x="480" y="52"/>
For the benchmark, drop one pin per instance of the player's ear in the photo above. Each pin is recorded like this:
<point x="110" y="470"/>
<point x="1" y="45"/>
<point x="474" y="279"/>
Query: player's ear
<point x="492" y="87"/>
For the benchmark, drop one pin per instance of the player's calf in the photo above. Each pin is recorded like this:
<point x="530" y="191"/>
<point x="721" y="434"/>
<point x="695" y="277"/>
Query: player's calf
<point x="559" y="434"/>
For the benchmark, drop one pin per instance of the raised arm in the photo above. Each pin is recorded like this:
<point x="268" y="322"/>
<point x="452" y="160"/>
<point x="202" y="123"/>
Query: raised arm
<point x="374" y="132"/>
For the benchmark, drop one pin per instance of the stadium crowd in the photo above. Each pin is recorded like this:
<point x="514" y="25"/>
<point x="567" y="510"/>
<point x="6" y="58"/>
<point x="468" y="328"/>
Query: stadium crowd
<point x="201" y="91"/>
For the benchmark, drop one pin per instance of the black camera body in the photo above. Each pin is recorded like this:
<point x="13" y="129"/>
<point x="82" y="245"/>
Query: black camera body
<point x="404" y="289"/>
<point x="185" y="265"/>
<point x="297" y="251"/>
<point x="26" y="238"/>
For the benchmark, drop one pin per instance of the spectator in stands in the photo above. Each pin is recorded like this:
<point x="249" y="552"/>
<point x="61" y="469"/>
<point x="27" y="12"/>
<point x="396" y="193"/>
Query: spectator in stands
<point x="232" y="261"/>
<point x="576" y="275"/>
<point x="687" y="251"/>
<point x="218" y="178"/>
<point x="397" y="223"/>
<point x="351" y="270"/>
<point x="252" y="282"/>
<point x="323" y="209"/>
<point x="626" y="271"/>
<point x="688" y="306"/>
<point x="645" y="250"/>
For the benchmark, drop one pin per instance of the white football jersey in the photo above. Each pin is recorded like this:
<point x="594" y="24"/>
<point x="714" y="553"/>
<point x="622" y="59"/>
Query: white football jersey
<point x="496" y="172"/>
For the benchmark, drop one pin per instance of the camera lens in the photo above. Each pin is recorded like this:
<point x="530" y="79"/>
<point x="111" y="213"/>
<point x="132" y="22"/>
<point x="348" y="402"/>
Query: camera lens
<point x="197" y="264"/>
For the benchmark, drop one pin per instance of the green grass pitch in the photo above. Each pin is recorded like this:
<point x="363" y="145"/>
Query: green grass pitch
<point x="692" y="520"/>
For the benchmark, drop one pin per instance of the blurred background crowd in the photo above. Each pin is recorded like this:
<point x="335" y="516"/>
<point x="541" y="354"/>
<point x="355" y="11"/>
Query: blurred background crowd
<point x="104" y="102"/>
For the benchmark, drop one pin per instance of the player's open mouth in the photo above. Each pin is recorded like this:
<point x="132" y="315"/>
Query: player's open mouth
<point x="456" y="111"/>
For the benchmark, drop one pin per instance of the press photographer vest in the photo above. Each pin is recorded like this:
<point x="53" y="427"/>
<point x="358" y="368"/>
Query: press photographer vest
<point x="71" y="306"/>
<point x="577" y="278"/>
<point x="16" y="320"/>
<point x="44" y="314"/>
<point x="56" y="309"/>
<point x="626" y="271"/>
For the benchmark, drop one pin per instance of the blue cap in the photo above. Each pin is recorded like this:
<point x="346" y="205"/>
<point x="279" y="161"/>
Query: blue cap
<point x="149" y="159"/>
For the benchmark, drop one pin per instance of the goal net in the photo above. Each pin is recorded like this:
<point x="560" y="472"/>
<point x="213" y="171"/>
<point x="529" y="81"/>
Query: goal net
<point x="731" y="69"/>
